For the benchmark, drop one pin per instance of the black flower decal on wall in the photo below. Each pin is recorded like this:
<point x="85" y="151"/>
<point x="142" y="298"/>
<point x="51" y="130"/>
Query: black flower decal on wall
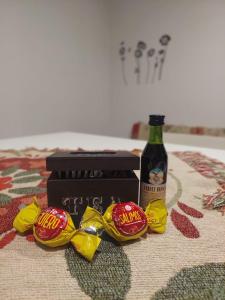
<point x="154" y="57"/>
<point x="164" y="40"/>
<point x="150" y="54"/>
<point x="138" y="53"/>
<point x="156" y="64"/>
<point x="122" y="53"/>
<point x="141" y="46"/>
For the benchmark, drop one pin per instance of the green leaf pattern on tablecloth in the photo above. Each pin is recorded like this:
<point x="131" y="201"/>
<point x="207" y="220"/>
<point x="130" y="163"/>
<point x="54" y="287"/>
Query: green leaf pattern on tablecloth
<point x="197" y="283"/>
<point x="27" y="190"/>
<point x="17" y="178"/>
<point x="4" y="199"/>
<point x="27" y="179"/>
<point x="9" y="171"/>
<point x="27" y="173"/>
<point x="107" y="277"/>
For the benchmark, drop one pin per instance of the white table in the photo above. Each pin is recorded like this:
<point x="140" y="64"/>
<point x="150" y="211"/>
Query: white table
<point x="72" y="140"/>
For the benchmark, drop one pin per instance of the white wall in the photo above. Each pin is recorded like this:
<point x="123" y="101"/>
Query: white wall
<point x="60" y="68"/>
<point x="192" y="90"/>
<point x="54" y="66"/>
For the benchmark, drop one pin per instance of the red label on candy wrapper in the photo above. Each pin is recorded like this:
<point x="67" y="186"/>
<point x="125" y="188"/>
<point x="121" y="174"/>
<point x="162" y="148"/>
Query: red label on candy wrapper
<point x="50" y="223"/>
<point x="129" y="218"/>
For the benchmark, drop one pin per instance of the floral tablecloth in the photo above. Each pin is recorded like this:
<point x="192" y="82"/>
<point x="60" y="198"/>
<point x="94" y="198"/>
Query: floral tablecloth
<point x="187" y="262"/>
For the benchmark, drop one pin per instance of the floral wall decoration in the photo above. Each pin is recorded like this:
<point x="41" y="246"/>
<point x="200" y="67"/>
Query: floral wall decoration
<point x="148" y="61"/>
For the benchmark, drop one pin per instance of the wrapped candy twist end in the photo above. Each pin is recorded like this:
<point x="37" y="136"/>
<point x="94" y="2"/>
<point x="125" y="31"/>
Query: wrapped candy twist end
<point x="156" y="213"/>
<point x="27" y="217"/>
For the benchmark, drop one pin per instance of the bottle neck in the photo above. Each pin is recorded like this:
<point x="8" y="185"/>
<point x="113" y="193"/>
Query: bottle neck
<point x="155" y="135"/>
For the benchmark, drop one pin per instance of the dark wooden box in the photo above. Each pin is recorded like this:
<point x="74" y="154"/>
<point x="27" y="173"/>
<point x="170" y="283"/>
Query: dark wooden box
<point x="96" y="179"/>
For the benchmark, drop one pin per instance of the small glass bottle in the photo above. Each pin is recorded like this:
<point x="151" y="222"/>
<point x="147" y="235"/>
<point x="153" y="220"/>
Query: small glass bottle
<point x="153" y="164"/>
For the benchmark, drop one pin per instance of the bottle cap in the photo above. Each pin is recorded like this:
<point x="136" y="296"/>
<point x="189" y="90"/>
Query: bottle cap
<point x="156" y="120"/>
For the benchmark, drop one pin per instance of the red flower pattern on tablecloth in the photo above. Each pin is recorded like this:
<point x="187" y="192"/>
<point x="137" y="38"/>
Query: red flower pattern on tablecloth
<point x="210" y="168"/>
<point x="23" y="163"/>
<point x="190" y="210"/>
<point x="7" y="238"/>
<point x="178" y="218"/>
<point x="183" y="223"/>
<point x="37" y="164"/>
<point x="30" y="237"/>
<point x="5" y="183"/>
<point x="3" y="211"/>
<point x="10" y="209"/>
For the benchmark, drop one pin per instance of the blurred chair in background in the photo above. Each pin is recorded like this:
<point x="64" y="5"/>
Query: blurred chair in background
<point x="184" y="135"/>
